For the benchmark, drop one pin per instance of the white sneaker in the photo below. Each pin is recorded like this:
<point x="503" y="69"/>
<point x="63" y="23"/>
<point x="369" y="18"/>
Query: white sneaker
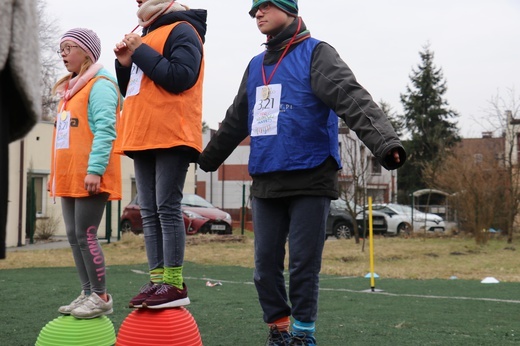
<point x="93" y="307"/>
<point x="66" y="309"/>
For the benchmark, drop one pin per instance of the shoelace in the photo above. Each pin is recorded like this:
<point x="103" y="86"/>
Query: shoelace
<point x="146" y="288"/>
<point x="299" y="339"/>
<point x="163" y="289"/>
<point x="275" y="337"/>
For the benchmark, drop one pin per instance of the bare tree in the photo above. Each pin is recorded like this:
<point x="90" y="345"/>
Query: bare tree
<point x="476" y="178"/>
<point x="394" y="118"/>
<point x="48" y="33"/>
<point x="352" y="179"/>
<point x="505" y="112"/>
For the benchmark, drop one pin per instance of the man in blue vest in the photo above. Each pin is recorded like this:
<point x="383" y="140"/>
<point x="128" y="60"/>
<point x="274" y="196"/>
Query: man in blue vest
<point x="289" y="102"/>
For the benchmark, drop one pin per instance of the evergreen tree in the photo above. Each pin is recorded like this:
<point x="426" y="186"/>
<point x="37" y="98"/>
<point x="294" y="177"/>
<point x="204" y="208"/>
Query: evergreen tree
<point x="393" y="117"/>
<point x="429" y="122"/>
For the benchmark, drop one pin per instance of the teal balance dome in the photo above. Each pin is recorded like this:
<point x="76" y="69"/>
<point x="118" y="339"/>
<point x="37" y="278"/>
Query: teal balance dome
<point x="70" y="331"/>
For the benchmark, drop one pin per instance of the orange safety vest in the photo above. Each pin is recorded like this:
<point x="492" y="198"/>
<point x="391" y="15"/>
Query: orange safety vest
<point x="155" y="118"/>
<point x="69" y="165"/>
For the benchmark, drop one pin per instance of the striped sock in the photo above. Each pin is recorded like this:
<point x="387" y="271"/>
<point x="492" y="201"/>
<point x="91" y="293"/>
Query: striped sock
<point x="282" y="324"/>
<point x="173" y="276"/>
<point x="156" y="275"/>
<point x="305" y="327"/>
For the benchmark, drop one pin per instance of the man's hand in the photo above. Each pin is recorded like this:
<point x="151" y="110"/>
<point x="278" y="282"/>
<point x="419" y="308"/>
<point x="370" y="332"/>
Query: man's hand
<point x="395" y="154"/>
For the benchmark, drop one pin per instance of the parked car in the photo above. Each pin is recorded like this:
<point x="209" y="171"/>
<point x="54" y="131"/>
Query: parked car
<point x="398" y="224"/>
<point x="339" y="221"/>
<point x="379" y="223"/>
<point x="341" y="225"/>
<point x="403" y="214"/>
<point x="199" y="215"/>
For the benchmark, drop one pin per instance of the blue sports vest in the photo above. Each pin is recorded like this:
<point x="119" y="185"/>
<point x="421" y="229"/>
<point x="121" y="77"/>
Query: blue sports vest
<point x="307" y="130"/>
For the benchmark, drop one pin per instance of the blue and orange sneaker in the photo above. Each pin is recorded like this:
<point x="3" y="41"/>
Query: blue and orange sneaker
<point x="302" y="339"/>
<point x="278" y="338"/>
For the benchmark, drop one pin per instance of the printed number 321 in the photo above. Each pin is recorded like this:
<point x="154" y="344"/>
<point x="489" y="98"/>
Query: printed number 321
<point x="266" y="104"/>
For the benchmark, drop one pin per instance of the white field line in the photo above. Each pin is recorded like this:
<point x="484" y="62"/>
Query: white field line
<point x="354" y="291"/>
<point x="424" y="296"/>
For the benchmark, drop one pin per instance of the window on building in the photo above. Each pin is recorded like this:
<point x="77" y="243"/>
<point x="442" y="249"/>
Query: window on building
<point x="375" y="166"/>
<point x="133" y="189"/>
<point x="378" y="195"/>
<point x="38" y="184"/>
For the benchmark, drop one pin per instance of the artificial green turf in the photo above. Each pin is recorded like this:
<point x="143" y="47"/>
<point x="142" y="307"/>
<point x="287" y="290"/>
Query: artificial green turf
<point x="404" y="312"/>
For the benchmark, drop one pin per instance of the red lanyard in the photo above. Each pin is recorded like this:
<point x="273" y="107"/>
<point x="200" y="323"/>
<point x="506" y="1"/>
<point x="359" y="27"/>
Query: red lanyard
<point x="266" y="82"/>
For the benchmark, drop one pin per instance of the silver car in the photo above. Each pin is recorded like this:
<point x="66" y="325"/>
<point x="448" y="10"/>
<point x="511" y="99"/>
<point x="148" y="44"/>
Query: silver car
<point x="402" y="218"/>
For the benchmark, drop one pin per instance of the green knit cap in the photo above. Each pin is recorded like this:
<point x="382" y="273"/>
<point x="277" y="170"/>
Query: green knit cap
<point x="288" y="6"/>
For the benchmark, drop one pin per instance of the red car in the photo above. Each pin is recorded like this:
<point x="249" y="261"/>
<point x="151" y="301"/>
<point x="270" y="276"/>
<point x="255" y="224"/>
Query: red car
<point x="199" y="215"/>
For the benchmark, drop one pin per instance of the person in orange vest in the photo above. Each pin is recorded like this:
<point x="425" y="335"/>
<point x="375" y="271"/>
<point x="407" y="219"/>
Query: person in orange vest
<point x="161" y="74"/>
<point x="85" y="172"/>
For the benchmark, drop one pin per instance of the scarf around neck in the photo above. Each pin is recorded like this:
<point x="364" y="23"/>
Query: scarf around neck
<point x="75" y="84"/>
<point x="153" y="9"/>
<point x="280" y="41"/>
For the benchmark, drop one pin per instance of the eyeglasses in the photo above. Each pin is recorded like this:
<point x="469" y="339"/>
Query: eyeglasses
<point x="264" y="8"/>
<point x="65" y="49"/>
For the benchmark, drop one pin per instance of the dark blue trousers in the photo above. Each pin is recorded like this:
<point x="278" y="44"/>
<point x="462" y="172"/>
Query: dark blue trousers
<point x="301" y="221"/>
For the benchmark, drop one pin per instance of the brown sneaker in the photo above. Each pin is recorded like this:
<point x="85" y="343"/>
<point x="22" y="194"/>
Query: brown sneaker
<point x="144" y="293"/>
<point x="168" y="296"/>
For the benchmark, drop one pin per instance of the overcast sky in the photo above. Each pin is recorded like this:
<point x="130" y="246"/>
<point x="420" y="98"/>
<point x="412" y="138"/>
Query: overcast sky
<point x="475" y="42"/>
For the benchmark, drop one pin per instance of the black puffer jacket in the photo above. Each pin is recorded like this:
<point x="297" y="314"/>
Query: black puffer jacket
<point x="178" y="69"/>
<point x="333" y="82"/>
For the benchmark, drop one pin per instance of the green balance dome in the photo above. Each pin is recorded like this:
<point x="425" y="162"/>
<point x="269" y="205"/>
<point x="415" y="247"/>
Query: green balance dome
<point x="70" y="331"/>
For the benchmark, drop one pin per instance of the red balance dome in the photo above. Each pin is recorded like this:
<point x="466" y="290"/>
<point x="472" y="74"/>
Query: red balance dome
<point x="164" y="327"/>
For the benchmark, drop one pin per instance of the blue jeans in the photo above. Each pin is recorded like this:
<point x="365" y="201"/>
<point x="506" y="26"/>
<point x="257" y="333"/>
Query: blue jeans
<point x="160" y="176"/>
<point x="301" y="220"/>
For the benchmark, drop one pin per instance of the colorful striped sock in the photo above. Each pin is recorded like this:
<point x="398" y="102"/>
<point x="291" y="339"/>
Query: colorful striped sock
<point x="306" y="327"/>
<point x="173" y="276"/>
<point x="282" y="324"/>
<point x="156" y="275"/>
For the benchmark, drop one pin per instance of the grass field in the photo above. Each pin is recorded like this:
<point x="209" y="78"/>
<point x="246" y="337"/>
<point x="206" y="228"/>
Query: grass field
<point x="410" y="306"/>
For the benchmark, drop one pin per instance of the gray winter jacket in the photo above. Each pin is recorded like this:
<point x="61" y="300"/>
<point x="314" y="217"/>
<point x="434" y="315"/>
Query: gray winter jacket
<point x="332" y="82"/>
<point x="19" y="66"/>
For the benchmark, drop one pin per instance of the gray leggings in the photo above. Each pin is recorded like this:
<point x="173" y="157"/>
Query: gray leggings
<point x="82" y="217"/>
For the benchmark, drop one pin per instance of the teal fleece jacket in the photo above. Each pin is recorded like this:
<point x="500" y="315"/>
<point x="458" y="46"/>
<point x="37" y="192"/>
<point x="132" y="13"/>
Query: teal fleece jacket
<point x="102" y="102"/>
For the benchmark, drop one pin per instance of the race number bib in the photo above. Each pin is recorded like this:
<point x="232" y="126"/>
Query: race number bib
<point x="62" y="130"/>
<point x="134" y="85"/>
<point x="267" y="108"/>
